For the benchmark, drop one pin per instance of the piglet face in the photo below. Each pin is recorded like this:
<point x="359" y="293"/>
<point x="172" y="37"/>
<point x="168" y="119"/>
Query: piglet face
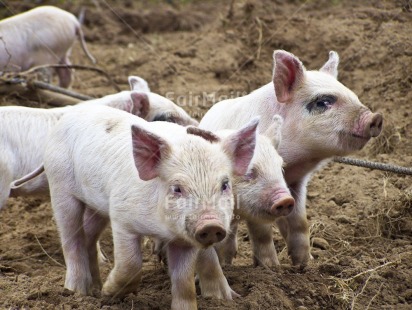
<point x="320" y="114"/>
<point x="198" y="199"/>
<point x="262" y="194"/>
<point x="333" y="120"/>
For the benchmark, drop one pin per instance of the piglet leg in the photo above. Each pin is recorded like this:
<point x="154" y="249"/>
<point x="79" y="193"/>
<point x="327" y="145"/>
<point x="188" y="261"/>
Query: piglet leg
<point x="261" y="238"/>
<point x="68" y="213"/>
<point x="295" y="228"/>
<point x="64" y="73"/>
<point x="211" y="279"/>
<point x="181" y="262"/>
<point x="227" y="249"/>
<point x="126" y="274"/>
<point x="94" y="224"/>
<point x="6" y="178"/>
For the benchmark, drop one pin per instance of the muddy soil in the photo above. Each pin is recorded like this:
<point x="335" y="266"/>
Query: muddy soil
<point x="198" y="52"/>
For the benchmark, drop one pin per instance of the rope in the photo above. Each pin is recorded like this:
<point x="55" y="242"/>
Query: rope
<point x="373" y="165"/>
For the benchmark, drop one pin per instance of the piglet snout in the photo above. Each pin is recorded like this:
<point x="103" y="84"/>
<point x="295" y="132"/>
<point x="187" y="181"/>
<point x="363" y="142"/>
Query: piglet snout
<point x="210" y="232"/>
<point x="283" y="206"/>
<point x="375" y="125"/>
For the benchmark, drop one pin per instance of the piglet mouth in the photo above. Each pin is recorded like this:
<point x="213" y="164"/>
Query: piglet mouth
<point x="351" y="141"/>
<point x="354" y="135"/>
<point x="266" y="216"/>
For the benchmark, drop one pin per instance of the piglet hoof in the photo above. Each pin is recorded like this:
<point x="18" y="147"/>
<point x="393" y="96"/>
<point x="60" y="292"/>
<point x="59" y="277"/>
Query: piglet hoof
<point x="218" y="289"/>
<point x="234" y="294"/>
<point x="266" y="261"/>
<point x="78" y="281"/>
<point x="300" y="258"/>
<point x="97" y="285"/>
<point x="108" y="291"/>
<point x="80" y="287"/>
<point x="96" y="292"/>
<point x="183" y="304"/>
<point x="299" y="250"/>
<point x="117" y="291"/>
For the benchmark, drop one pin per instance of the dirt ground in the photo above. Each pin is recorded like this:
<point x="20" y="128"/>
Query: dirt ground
<point x="197" y="52"/>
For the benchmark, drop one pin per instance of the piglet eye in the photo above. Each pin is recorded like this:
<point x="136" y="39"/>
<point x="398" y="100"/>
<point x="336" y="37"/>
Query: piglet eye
<point x="225" y="186"/>
<point x="251" y="174"/>
<point x="176" y="189"/>
<point x="323" y="103"/>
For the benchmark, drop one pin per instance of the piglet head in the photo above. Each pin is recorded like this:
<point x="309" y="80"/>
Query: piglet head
<point x="262" y="193"/>
<point x="321" y="115"/>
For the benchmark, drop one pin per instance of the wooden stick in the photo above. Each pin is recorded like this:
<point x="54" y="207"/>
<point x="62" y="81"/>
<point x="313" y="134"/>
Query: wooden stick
<point x="18" y="87"/>
<point x="79" y="67"/>
<point x="59" y="90"/>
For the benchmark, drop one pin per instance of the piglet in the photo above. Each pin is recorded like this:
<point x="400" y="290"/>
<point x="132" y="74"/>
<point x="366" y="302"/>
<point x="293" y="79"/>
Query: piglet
<point x="322" y="119"/>
<point x="41" y="36"/>
<point x="150" y="179"/>
<point x="262" y="196"/>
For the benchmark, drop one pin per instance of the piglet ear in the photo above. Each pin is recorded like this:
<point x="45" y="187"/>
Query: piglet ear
<point x="331" y="66"/>
<point x="139" y="84"/>
<point x="274" y="132"/>
<point x="148" y="152"/>
<point x="140" y="104"/>
<point x="288" y="74"/>
<point x="240" y="146"/>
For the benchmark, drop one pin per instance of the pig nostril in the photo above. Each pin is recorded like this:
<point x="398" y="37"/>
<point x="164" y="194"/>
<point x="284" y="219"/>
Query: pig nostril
<point x="379" y="125"/>
<point x="288" y="207"/>
<point x="220" y="236"/>
<point x="203" y="235"/>
<point x="375" y="126"/>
